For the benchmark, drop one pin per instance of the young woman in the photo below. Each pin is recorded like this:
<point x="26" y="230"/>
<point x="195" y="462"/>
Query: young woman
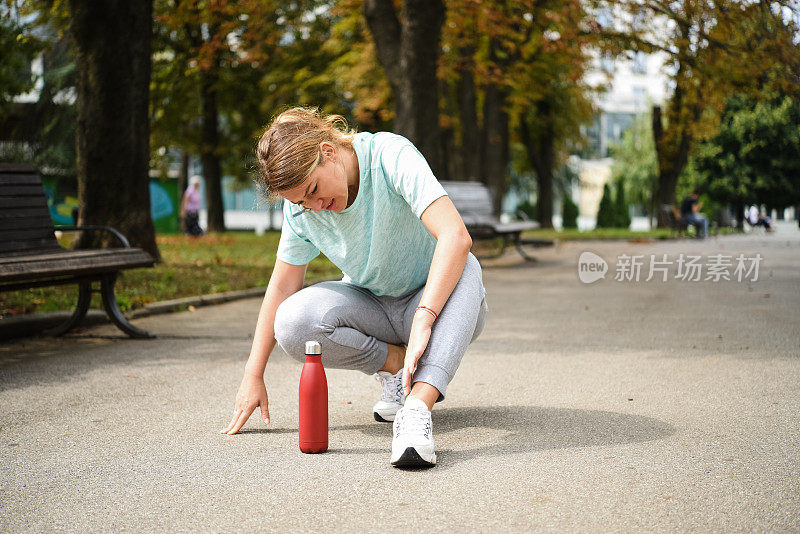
<point x="412" y="295"/>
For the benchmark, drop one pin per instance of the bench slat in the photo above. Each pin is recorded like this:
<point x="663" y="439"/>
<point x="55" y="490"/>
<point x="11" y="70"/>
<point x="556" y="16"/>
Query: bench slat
<point x="20" y="179"/>
<point x="72" y="263"/>
<point x="23" y="202"/>
<point x="516" y="226"/>
<point x="48" y="249"/>
<point x="17" y="190"/>
<point x="10" y="215"/>
<point x="25" y="234"/>
<point x="6" y="167"/>
<point x="23" y="212"/>
<point x="60" y="253"/>
<point x="21" y="245"/>
<point x="24" y="223"/>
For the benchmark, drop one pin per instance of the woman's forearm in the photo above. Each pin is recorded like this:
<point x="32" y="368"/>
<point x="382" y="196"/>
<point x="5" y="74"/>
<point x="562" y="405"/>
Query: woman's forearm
<point x="264" y="336"/>
<point x="449" y="259"/>
<point x="285" y="281"/>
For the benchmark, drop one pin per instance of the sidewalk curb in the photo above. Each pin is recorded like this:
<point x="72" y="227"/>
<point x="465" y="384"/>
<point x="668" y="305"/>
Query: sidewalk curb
<point x="33" y="324"/>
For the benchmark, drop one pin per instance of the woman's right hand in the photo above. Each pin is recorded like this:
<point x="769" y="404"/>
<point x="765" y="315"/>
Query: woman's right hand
<point x="252" y="393"/>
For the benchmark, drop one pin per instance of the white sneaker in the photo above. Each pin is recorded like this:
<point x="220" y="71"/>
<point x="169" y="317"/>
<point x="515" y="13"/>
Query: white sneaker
<point x="412" y="445"/>
<point x="392" y="397"/>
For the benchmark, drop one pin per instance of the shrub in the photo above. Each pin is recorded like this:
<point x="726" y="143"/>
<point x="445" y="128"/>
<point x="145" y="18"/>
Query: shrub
<point x="622" y="216"/>
<point x="605" y="213"/>
<point x="569" y="213"/>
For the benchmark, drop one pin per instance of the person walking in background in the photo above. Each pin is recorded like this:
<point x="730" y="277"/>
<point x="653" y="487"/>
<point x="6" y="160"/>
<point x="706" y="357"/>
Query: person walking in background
<point x="412" y="298"/>
<point x="690" y="214"/>
<point x="190" y="207"/>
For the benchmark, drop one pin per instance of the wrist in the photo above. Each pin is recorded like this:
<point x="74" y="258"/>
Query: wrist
<point x="254" y="372"/>
<point x="424" y="316"/>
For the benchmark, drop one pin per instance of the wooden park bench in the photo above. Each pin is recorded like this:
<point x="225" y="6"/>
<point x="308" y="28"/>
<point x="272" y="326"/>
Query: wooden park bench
<point x="673" y="217"/>
<point x="473" y="200"/>
<point x="676" y="224"/>
<point x="30" y="255"/>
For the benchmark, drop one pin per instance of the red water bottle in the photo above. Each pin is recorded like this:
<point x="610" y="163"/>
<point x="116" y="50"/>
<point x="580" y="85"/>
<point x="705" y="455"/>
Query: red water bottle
<point x="313" y="402"/>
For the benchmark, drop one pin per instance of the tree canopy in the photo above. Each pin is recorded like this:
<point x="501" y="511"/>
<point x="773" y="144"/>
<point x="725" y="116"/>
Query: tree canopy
<point x="753" y="156"/>
<point x="496" y="84"/>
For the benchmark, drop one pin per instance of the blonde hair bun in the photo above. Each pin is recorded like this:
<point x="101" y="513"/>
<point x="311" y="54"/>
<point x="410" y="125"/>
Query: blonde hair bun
<point x="288" y="151"/>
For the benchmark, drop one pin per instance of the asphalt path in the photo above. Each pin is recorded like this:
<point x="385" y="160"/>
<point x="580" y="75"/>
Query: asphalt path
<point x="617" y="405"/>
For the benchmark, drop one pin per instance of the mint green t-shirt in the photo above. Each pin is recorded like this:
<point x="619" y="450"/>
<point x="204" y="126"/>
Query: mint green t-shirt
<point x="379" y="242"/>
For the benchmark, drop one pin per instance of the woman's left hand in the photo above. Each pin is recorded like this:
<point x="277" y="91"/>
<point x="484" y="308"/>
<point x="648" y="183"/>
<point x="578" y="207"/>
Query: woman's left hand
<point x="417" y="341"/>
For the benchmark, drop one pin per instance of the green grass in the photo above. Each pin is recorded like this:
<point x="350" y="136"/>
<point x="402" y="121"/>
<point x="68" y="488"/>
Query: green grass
<point x="225" y="262"/>
<point x="191" y="266"/>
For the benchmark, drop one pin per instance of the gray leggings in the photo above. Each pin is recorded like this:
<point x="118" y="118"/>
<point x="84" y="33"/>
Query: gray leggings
<point x="354" y="326"/>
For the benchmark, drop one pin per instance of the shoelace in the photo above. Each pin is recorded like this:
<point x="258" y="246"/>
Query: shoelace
<point x="411" y="421"/>
<point x="392" y="388"/>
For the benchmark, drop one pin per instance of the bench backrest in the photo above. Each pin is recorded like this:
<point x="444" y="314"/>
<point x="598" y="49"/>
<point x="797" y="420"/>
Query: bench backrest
<point x="25" y="223"/>
<point x="473" y="200"/>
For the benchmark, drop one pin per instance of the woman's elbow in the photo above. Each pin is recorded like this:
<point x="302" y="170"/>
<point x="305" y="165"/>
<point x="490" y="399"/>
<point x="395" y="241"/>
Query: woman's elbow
<point x="463" y="238"/>
<point x="468" y="240"/>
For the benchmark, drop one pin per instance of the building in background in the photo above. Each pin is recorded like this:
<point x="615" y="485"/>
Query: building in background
<point x="635" y="84"/>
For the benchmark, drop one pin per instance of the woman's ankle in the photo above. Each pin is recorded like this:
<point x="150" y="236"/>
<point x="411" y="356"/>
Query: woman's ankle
<point x="394" y="359"/>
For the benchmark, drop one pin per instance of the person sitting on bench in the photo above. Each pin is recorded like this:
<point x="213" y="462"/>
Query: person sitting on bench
<point x="755" y="218"/>
<point x="690" y="214"/>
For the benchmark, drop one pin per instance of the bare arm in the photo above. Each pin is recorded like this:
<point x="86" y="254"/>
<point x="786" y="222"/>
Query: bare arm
<point x="286" y="280"/>
<point x="453" y="243"/>
<point x="452" y="247"/>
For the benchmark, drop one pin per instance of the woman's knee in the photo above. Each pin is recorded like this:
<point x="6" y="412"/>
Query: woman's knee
<point x="294" y="325"/>
<point x="481" y="322"/>
<point x="472" y="276"/>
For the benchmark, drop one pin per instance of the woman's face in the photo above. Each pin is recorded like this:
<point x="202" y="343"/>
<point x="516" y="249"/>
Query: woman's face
<point x="326" y="186"/>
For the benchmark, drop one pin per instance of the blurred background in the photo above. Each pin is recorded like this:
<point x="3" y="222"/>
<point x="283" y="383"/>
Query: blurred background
<point x="574" y="113"/>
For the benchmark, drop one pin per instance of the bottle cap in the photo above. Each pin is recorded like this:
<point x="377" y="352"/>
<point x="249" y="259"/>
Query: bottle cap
<point x="312" y="347"/>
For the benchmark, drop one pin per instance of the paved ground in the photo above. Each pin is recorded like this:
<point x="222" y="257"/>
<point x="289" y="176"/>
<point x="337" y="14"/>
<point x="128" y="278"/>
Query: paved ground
<point x="615" y="406"/>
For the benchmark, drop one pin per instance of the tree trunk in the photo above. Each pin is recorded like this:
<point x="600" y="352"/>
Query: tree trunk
<point x="212" y="168"/>
<point x="183" y="172"/>
<point x="669" y="170"/>
<point x="112" y="60"/>
<point x="541" y="154"/>
<point x="662" y="218"/>
<point x="740" y="216"/>
<point x="408" y="53"/>
<point x="468" y="114"/>
<point x="446" y="137"/>
<point x="674" y="143"/>
<point x="495" y="126"/>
